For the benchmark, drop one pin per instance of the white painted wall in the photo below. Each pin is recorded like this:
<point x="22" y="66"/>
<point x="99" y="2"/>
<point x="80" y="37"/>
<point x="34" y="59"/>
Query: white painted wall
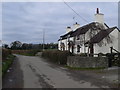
<point x="68" y="29"/>
<point x="75" y="49"/>
<point x="65" y="41"/>
<point x="59" y="48"/>
<point x="99" y="18"/>
<point x="71" y="38"/>
<point x="59" y="44"/>
<point x="76" y="26"/>
<point x="114" y="35"/>
<point x="106" y="47"/>
<point x="119" y="41"/>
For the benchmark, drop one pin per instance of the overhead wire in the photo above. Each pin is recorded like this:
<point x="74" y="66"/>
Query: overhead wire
<point x="75" y="11"/>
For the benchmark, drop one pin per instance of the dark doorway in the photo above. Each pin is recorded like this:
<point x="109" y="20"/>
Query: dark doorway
<point x="78" y="48"/>
<point x="91" y="49"/>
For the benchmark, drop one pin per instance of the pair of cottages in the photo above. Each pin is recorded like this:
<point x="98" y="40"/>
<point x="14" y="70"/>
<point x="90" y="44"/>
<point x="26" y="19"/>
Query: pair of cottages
<point x="93" y="38"/>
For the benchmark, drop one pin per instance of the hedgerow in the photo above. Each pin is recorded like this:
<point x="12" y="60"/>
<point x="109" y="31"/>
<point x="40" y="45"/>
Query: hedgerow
<point x="7" y="60"/>
<point x="57" y="56"/>
<point x="25" y="52"/>
<point x="5" y="53"/>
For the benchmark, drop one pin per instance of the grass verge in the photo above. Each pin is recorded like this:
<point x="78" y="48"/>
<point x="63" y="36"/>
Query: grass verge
<point x="7" y="63"/>
<point x="78" y="68"/>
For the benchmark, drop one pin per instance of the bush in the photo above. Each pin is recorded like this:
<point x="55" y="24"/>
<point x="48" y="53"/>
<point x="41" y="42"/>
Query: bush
<point x="115" y="61"/>
<point x="7" y="63"/>
<point x="101" y="54"/>
<point x="5" y="53"/>
<point x="26" y="52"/>
<point x="57" y="56"/>
<point x="83" y="54"/>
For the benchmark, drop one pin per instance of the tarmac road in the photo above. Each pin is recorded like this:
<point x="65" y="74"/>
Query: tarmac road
<point x="35" y="72"/>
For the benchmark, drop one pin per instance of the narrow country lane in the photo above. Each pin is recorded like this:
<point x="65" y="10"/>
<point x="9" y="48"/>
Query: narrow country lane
<point x="35" y="72"/>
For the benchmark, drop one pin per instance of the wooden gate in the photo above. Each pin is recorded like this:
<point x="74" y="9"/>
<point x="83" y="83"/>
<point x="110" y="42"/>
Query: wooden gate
<point x="113" y="58"/>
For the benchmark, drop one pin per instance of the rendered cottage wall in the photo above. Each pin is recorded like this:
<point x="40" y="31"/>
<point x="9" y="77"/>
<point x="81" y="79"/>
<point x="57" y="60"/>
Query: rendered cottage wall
<point x="105" y="48"/>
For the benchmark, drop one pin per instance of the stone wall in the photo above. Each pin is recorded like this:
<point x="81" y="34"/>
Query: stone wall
<point x="87" y="62"/>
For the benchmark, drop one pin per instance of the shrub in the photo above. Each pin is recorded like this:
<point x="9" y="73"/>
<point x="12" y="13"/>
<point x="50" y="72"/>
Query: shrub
<point x="57" y="56"/>
<point x="7" y="63"/>
<point x="5" y="53"/>
<point x="115" y="61"/>
<point x="82" y="54"/>
<point x="101" y="54"/>
<point x="26" y="52"/>
<point x="7" y="60"/>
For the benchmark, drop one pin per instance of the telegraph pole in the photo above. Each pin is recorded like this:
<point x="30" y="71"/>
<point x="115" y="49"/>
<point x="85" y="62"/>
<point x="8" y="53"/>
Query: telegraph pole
<point x="43" y="39"/>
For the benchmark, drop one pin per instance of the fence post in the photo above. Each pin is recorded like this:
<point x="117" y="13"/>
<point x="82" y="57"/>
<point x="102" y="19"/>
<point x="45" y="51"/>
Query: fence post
<point x="111" y="48"/>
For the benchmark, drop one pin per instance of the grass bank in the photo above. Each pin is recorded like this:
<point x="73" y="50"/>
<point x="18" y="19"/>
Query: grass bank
<point x="7" y="63"/>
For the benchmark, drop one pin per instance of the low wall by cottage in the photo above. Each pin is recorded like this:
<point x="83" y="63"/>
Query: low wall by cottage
<point x="87" y="62"/>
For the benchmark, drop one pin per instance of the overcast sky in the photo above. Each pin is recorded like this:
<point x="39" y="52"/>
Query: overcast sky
<point x="25" y="21"/>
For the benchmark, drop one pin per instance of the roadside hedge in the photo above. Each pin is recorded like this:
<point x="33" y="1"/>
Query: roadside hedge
<point x="5" y="53"/>
<point x="57" y="56"/>
<point x="82" y="54"/>
<point x="115" y="61"/>
<point x="7" y="60"/>
<point x="26" y="52"/>
<point x="7" y="63"/>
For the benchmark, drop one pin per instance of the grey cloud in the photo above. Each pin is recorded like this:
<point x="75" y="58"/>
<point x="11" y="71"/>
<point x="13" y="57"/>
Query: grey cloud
<point x="26" y="21"/>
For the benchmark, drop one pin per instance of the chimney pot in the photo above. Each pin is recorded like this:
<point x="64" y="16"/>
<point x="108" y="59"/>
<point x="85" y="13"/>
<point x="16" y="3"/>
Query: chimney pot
<point x="97" y="11"/>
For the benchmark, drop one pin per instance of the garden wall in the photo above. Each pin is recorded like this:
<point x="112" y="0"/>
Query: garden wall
<point x="87" y="62"/>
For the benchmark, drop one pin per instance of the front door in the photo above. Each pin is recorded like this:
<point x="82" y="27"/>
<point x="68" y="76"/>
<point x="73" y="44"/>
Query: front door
<point x="91" y="49"/>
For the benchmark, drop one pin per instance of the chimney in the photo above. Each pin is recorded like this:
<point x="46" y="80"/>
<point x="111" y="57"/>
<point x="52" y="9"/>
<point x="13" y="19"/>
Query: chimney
<point x="97" y="11"/>
<point x="68" y="29"/>
<point x="99" y="17"/>
<point x="75" y="26"/>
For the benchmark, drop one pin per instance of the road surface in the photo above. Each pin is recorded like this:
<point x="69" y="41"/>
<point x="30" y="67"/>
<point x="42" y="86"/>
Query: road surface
<point x="35" y="72"/>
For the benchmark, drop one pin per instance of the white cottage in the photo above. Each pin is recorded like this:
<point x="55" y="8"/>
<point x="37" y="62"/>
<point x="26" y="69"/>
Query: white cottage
<point x="96" y="37"/>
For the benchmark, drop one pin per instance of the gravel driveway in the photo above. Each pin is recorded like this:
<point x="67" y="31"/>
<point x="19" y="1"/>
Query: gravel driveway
<point x="35" y="72"/>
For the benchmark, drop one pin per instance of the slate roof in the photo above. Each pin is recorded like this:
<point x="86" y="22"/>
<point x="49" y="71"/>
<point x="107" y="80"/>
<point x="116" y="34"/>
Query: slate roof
<point x="101" y="35"/>
<point x="82" y="30"/>
<point x="66" y="35"/>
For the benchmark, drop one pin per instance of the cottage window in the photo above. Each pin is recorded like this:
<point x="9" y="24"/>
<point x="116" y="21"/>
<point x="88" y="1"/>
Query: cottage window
<point x="62" y="46"/>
